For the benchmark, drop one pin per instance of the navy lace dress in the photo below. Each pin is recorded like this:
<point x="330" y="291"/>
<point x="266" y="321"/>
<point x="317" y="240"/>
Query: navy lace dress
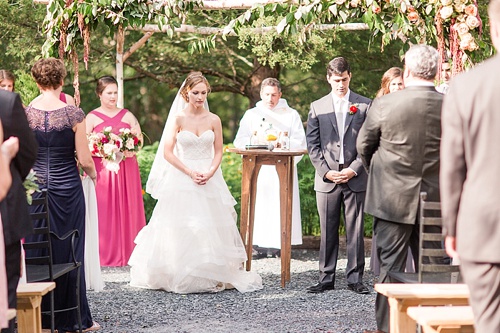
<point x="57" y="171"/>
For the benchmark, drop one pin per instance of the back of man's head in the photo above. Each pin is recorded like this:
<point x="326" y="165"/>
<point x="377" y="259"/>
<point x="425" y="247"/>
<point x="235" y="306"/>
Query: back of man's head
<point x="422" y="61"/>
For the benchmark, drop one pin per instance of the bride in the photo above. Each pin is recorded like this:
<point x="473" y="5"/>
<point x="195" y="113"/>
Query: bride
<point x="191" y="243"/>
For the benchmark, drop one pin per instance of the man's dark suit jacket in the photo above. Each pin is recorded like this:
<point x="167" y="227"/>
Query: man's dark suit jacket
<point x="399" y="143"/>
<point x="14" y="208"/>
<point x="323" y="141"/>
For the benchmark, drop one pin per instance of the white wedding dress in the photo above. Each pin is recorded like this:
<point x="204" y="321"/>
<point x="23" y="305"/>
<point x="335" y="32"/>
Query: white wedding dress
<point x="191" y="243"/>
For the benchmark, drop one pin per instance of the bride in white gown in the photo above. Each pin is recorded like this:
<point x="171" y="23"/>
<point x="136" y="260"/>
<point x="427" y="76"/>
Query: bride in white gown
<point x="191" y="243"/>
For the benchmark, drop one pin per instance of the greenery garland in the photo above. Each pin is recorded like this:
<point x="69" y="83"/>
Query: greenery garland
<point x="453" y="25"/>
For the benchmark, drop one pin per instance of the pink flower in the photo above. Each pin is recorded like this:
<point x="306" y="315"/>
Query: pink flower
<point x="471" y="10"/>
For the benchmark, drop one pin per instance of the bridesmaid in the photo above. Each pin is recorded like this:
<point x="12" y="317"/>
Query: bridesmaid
<point x="119" y="195"/>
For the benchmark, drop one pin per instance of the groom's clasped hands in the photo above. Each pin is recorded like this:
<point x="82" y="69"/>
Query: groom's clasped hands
<point x="339" y="177"/>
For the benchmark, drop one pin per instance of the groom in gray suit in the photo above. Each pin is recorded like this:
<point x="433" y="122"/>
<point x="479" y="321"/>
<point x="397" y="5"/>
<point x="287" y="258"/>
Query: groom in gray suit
<point x="340" y="179"/>
<point x="470" y="185"/>
<point x="399" y="144"/>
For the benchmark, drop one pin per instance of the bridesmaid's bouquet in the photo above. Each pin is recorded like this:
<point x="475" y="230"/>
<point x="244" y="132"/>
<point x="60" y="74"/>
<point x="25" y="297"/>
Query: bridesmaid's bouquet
<point x="131" y="142"/>
<point x="108" y="146"/>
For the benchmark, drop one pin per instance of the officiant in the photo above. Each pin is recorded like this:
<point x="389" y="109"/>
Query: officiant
<point x="272" y="117"/>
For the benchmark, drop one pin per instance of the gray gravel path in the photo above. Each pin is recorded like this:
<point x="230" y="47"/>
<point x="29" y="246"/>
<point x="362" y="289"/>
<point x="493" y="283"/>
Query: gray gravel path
<point x="124" y="309"/>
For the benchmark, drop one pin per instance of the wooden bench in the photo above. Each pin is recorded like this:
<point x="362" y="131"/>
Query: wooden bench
<point x="29" y="299"/>
<point x="401" y="296"/>
<point x="440" y="319"/>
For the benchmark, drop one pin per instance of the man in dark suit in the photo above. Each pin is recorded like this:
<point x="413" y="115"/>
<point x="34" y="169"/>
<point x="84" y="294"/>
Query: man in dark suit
<point x="332" y="129"/>
<point x="470" y="185"/>
<point x="404" y="130"/>
<point x="14" y="208"/>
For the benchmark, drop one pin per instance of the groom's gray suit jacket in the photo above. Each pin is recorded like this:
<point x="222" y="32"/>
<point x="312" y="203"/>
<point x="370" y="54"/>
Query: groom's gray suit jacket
<point x="323" y="141"/>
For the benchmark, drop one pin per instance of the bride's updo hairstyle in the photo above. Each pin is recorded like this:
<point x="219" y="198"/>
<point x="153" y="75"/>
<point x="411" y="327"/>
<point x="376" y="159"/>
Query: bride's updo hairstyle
<point x="49" y="73"/>
<point x="192" y="80"/>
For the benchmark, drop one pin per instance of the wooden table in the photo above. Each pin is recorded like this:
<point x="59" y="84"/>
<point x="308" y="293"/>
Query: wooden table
<point x="283" y="160"/>
<point x="440" y="319"/>
<point x="29" y="299"/>
<point x="403" y="295"/>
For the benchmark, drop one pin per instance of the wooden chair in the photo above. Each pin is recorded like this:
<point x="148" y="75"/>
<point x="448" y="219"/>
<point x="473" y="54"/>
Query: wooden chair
<point x="432" y="266"/>
<point x="39" y="265"/>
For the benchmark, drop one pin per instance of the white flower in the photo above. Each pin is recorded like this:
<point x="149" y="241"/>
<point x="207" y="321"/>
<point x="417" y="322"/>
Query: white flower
<point x="446" y="2"/>
<point x="446" y="12"/>
<point x="339" y="2"/>
<point x="459" y="8"/>
<point x="130" y="144"/>
<point x="109" y="149"/>
<point x="112" y="166"/>
<point x="462" y="28"/>
<point x="354" y="3"/>
<point x="108" y="129"/>
<point x="125" y="130"/>
<point x="472" y="22"/>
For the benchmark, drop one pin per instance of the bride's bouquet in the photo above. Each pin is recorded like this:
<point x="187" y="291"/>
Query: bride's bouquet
<point x="108" y="146"/>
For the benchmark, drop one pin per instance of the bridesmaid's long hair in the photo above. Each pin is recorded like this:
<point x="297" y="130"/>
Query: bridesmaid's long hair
<point x="388" y="76"/>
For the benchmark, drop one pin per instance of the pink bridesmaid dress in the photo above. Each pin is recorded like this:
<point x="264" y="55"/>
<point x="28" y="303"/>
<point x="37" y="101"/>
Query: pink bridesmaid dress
<point x="119" y="201"/>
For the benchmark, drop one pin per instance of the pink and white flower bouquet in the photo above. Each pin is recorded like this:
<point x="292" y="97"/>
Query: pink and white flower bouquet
<point x="108" y="146"/>
<point x="113" y="148"/>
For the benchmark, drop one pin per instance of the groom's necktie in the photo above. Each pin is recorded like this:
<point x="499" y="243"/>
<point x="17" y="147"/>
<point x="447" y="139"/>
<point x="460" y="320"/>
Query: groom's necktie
<point x="339" y="114"/>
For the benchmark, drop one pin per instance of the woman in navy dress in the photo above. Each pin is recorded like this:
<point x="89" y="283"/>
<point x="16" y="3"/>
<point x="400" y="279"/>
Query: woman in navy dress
<point x="60" y="131"/>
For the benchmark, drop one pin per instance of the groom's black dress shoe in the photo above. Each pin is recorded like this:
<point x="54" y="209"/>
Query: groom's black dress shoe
<point x="320" y="287"/>
<point x="358" y="287"/>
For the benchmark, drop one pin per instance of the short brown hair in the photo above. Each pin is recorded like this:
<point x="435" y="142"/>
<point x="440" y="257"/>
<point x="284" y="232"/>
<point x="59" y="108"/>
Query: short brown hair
<point x="337" y="66"/>
<point x="193" y="79"/>
<point x="49" y="73"/>
<point x="103" y="82"/>
<point x="270" y="82"/>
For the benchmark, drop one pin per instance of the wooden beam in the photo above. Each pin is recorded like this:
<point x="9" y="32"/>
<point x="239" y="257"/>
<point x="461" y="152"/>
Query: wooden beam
<point x="137" y="44"/>
<point x="184" y="28"/>
<point x="120" y="41"/>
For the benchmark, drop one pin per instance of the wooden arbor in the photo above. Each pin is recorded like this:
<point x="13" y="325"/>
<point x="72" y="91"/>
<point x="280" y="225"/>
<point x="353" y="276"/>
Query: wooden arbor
<point x="209" y="5"/>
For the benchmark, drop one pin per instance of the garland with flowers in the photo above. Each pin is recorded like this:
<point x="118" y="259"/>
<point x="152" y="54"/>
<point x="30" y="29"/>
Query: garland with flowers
<point x="453" y="25"/>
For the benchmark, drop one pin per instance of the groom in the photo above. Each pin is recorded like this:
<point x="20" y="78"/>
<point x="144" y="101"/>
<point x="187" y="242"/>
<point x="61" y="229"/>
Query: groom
<point x="340" y="179"/>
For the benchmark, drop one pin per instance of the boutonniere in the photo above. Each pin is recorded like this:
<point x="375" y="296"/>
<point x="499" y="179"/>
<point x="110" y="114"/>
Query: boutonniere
<point x="353" y="108"/>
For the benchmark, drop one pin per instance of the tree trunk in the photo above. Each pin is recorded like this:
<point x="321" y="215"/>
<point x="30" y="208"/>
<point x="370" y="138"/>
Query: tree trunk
<point x="260" y="72"/>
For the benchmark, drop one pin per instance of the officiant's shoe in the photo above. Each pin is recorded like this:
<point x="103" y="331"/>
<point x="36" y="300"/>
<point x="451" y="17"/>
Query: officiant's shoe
<point x="358" y="288"/>
<point x="320" y="287"/>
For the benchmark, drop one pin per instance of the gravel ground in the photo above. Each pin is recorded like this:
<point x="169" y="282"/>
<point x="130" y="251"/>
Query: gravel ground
<point x="120" y="308"/>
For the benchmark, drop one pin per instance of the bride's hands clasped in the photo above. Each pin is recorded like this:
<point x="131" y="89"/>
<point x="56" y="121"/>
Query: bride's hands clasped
<point x="200" y="178"/>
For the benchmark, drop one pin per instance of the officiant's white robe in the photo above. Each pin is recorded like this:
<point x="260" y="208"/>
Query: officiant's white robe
<point x="267" y="231"/>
